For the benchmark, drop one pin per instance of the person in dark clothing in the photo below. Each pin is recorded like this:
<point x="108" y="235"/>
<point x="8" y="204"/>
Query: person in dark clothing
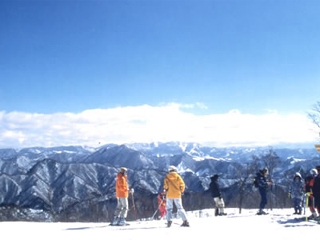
<point x="214" y="189"/>
<point x="263" y="185"/>
<point x="316" y="190"/>
<point x="308" y="188"/>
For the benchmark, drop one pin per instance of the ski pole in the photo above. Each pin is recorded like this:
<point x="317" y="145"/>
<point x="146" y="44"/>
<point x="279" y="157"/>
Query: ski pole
<point x="307" y="203"/>
<point x="154" y="214"/>
<point x="304" y="204"/>
<point x="157" y="209"/>
<point x="162" y="200"/>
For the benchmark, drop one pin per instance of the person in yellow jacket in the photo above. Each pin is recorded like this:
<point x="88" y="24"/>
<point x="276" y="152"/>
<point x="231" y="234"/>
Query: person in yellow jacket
<point x="174" y="187"/>
<point x="122" y="194"/>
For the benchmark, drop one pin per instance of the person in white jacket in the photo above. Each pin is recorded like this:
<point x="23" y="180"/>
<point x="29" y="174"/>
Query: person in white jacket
<point x="296" y="192"/>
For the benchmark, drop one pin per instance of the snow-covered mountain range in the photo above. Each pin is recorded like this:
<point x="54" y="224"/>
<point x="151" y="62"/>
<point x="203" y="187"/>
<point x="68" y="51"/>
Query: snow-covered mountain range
<point x="77" y="183"/>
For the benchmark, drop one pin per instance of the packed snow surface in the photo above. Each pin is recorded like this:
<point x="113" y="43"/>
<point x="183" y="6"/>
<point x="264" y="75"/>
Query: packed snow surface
<point x="278" y="224"/>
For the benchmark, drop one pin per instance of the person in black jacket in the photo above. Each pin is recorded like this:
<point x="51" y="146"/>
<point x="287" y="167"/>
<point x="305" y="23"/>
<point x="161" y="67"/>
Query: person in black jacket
<point x="263" y="185"/>
<point x="308" y="188"/>
<point x="316" y="191"/>
<point x="216" y="195"/>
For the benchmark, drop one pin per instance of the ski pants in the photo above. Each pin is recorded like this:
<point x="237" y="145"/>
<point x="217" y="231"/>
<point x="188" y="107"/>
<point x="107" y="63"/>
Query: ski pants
<point x="297" y="204"/>
<point x="180" y="209"/>
<point x="264" y="199"/>
<point x="311" y="204"/>
<point x="162" y="211"/>
<point x="317" y="203"/>
<point x="219" y="204"/>
<point x="122" y="207"/>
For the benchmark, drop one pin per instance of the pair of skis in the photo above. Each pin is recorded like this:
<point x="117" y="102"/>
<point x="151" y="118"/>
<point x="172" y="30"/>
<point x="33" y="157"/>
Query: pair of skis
<point x="306" y="219"/>
<point x="131" y="191"/>
<point x="117" y="225"/>
<point x="306" y="205"/>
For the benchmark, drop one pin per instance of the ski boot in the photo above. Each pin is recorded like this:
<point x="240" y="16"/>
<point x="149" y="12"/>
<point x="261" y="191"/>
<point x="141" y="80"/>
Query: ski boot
<point x="185" y="224"/>
<point x="122" y="222"/>
<point x="216" y="212"/>
<point x="261" y="212"/>
<point x="115" y="221"/>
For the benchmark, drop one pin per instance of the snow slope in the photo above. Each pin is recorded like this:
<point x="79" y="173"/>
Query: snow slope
<point x="279" y="224"/>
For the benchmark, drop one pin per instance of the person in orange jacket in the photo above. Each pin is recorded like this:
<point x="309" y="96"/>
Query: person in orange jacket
<point x="162" y="204"/>
<point x="122" y="193"/>
<point x="174" y="187"/>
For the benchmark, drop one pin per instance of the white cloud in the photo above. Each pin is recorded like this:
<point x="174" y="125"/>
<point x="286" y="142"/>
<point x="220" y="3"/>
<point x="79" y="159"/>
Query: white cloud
<point x="168" y="122"/>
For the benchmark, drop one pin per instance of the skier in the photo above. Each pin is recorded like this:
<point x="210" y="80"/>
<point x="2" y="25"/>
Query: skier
<point x="162" y="205"/>
<point x="296" y="193"/>
<point x="214" y="189"/>
<point x="263" y="185"/>
<point x="316" y="191"/>
<point x="174" y="187"/>
<point x="122" y="193"/>
<point x="308" y="188"/>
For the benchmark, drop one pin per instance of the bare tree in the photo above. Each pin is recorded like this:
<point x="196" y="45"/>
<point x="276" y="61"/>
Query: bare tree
<point x="256" y="164"/>
<point x="271" y="161"/>
<point x="314" y="115"/>
<point x="244" y="174"/>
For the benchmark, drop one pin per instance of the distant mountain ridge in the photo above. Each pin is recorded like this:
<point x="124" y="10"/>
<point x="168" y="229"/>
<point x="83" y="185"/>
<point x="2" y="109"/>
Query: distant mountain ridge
<point x="72" y="182"/>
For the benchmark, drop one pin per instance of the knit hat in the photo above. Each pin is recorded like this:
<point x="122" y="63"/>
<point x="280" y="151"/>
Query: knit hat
<point x="214" y="177"/>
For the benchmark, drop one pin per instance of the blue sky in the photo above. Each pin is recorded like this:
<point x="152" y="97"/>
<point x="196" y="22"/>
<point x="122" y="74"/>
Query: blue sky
<point x="82" y="72"/>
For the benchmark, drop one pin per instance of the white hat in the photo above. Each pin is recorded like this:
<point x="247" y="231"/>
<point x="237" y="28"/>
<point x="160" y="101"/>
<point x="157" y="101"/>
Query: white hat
<point x="172" y="168"/>
<point x="297" y="175"/>
<point x="313" y="171"/>
<point x="123" y="169"/>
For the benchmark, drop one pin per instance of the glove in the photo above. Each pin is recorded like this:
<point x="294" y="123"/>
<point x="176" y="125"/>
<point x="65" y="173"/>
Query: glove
<point x="289" y="195"/>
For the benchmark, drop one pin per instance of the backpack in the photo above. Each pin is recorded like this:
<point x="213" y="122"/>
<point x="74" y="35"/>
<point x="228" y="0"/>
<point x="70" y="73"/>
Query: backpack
<point x="255" y="182"/>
